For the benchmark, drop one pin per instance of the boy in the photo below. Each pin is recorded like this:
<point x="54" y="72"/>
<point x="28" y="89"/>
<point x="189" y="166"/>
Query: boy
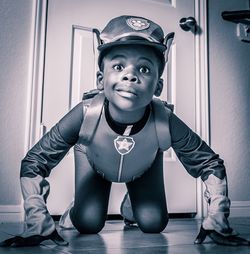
<point x="110" y="131"/>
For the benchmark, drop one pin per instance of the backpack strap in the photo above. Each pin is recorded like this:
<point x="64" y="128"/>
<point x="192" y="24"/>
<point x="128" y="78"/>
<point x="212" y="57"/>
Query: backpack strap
<point x="90" y="94"/>
<point x="162" y="112"/>
<point x="92" y="109"/>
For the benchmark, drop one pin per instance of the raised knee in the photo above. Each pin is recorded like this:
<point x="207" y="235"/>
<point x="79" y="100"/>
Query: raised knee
<point x="88" y="226"/>
<point x="152" y="220"/>
<point x="87" y="223"/>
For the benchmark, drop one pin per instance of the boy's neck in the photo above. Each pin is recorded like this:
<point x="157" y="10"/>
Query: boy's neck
<point x="126" y="117"/>
<point x="121" y="127"/>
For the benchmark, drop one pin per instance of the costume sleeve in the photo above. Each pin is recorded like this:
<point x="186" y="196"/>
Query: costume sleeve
<point x="201" y="161"/>
<point x="37" y="165"/>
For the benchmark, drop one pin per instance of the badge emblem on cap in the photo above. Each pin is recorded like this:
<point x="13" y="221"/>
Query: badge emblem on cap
<point x="138" y="23"/>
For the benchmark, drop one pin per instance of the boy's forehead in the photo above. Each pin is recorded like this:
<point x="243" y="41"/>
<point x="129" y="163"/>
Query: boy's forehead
<point x="126" y="50"/>
<point x="130" y="51"/>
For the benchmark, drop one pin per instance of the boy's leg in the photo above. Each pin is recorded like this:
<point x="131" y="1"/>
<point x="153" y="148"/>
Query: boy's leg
<point x="89" y="212"/>
<point x="147" y="195"/>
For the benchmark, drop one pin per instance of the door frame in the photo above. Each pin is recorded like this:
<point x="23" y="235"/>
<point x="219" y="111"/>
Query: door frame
<point x="34" y="128"/>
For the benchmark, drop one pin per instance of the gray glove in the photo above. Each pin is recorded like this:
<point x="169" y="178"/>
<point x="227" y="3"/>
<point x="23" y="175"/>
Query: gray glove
<point x="19" y="241"/>
<point x="231" y="240"/>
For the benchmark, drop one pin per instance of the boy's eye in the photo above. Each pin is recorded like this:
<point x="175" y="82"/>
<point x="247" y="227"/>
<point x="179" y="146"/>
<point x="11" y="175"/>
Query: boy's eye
<point x="118" y="67"/>
<point x="144" y="69"/>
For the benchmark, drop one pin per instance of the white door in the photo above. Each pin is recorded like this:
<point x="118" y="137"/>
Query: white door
<point x="70" y="67"/>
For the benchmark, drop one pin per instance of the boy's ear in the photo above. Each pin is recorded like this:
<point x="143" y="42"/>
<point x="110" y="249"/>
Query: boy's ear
<point x="99" y="80"/>
<point x="159" y="88"/>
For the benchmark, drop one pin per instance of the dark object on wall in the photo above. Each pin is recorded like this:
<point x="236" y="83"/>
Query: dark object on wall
<point x="237" y="16"/>
<point x="242" y="19"/>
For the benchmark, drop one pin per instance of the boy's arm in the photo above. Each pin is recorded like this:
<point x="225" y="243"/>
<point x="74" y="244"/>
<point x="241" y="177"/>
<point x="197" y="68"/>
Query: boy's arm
<point x="35" y="167"/>
<point x="201" y="161"/>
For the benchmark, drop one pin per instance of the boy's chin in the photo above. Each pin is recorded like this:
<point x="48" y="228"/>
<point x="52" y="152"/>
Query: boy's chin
<point x="124" y="104"/>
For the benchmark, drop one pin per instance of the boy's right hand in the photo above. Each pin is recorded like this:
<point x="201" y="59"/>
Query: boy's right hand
<point x="19" y="241"/>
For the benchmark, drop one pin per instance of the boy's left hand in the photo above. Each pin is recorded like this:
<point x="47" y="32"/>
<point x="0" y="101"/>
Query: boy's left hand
<point x="231" y="240"/>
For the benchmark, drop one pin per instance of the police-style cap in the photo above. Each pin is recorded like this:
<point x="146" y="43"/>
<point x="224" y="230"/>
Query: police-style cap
<point x="131" y="30"/>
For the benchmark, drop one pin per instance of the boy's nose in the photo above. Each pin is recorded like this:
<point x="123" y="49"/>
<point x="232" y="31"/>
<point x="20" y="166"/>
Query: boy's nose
<point x="131" y="77"/>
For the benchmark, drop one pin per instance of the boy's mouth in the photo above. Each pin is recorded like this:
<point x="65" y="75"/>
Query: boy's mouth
<point x="126" y="92"/>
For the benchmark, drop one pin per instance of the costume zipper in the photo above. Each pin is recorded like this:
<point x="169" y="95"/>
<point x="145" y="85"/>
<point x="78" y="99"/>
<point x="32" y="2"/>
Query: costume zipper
<point x="126" y="133"/>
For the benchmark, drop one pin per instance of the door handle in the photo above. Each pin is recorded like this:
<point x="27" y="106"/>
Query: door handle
<point x="188" y="24"/>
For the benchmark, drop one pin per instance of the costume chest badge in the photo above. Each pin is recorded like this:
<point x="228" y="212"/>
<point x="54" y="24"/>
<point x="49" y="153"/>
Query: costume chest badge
<point x="124" y="145"/>
<point x="138" y="23"/>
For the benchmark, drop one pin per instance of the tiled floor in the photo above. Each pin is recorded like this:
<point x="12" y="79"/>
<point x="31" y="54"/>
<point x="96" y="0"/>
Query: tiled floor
<point x="177" y="238"/>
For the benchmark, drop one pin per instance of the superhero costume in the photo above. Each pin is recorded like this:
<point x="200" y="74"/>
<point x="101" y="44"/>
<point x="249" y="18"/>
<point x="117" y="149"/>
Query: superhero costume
<point x="195" y="155"/>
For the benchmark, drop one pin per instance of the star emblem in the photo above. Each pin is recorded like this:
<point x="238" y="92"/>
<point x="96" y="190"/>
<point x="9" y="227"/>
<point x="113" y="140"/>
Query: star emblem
<point x="124" y="145"/>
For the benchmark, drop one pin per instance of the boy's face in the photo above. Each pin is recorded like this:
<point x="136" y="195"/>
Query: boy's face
<point x="130" y="77"/>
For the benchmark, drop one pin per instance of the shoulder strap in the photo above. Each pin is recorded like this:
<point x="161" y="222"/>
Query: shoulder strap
<point x="92" y="113"/>
<point x="162" y="112"/>
<point x="90" y="94"/>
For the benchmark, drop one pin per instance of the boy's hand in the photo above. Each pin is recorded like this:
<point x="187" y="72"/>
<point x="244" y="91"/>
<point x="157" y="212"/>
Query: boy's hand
<point x="19" y="241"/>
<point x="231" y="240"/>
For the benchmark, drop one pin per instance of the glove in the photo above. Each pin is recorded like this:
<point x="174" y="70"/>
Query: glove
<point x="231" y="240"/>
<point x="19" y="241"/>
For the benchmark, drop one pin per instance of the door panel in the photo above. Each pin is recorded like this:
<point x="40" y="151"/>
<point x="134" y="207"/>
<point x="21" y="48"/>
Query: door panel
<point x="70" y="67"/>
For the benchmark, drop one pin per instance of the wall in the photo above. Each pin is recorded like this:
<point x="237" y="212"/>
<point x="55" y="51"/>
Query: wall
<point x="229" y="80"/>
<point x="15" y="44"/>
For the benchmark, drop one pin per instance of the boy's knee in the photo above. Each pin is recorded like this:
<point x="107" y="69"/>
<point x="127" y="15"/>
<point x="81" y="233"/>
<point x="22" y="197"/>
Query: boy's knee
<point x="88" y="227"/>
<point x="87" y="223"/>
<point x="152" y="220"/>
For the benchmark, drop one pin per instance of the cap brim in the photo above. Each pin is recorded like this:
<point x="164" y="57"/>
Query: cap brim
<point x="155" y="45"/>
